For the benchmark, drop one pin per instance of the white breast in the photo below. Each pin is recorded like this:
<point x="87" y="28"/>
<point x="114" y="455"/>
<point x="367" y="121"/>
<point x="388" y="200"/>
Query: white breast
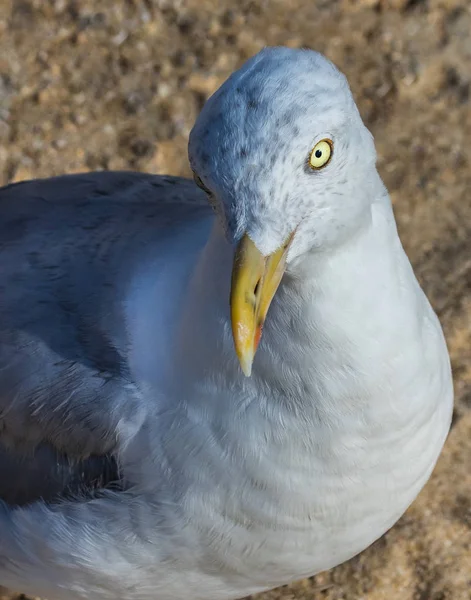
<point x="308" y="462"/>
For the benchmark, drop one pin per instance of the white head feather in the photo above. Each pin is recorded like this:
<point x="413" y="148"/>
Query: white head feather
<point x="251" y="145"/>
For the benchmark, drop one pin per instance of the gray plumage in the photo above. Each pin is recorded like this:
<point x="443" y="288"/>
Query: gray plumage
<point x="68" y="247"/>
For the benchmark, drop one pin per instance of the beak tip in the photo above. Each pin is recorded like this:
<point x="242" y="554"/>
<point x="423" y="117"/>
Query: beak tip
<point x="246" y="364"/>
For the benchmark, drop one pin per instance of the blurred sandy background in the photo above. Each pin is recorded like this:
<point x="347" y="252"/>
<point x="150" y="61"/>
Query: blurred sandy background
<point x="117" y="84"/>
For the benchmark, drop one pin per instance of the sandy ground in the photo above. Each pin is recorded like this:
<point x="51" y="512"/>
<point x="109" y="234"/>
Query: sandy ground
<point x="117" y="84"/>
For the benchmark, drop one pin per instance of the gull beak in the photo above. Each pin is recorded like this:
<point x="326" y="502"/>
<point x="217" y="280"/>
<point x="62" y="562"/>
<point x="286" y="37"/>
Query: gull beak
<point x="255" y="279"/>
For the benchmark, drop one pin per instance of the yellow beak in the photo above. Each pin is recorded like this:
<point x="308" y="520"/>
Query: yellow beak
<point x="255" y="279"/>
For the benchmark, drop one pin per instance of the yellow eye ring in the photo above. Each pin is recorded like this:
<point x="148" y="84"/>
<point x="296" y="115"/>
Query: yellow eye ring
<point x="321" y="154"/>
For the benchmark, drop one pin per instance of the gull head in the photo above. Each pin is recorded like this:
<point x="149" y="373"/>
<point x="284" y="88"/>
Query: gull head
<point x="287" y="163"/>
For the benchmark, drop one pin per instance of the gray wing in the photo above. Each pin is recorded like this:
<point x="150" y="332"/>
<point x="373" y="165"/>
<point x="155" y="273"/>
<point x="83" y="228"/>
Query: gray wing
<point x="68" y="249"/>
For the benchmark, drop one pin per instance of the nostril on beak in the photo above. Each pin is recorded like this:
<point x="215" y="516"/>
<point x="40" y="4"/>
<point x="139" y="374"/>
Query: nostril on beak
<point x="257" y="286"/>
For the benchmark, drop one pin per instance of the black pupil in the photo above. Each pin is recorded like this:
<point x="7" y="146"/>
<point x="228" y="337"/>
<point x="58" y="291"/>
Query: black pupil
<point x="318" y="153"/>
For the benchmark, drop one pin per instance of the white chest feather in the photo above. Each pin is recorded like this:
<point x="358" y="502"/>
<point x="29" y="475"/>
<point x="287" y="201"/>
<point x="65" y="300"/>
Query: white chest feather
<point x="322" y="450"/>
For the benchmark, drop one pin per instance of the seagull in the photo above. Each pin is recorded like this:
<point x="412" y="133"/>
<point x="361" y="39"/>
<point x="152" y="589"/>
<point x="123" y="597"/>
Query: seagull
<point x="209" y="390"/>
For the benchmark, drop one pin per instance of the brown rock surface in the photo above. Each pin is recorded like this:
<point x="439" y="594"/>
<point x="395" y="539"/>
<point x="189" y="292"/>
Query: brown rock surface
<point x="115" y="84"/>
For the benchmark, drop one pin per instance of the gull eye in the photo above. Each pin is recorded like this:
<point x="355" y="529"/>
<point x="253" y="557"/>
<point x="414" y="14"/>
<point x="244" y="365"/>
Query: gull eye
<point x="211" y="198"/>
<point x="321" y="154"/>
<point x="200" y="184"/>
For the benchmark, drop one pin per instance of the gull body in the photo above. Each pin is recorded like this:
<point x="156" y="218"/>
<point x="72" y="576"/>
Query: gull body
<point x="117" y="349"/>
